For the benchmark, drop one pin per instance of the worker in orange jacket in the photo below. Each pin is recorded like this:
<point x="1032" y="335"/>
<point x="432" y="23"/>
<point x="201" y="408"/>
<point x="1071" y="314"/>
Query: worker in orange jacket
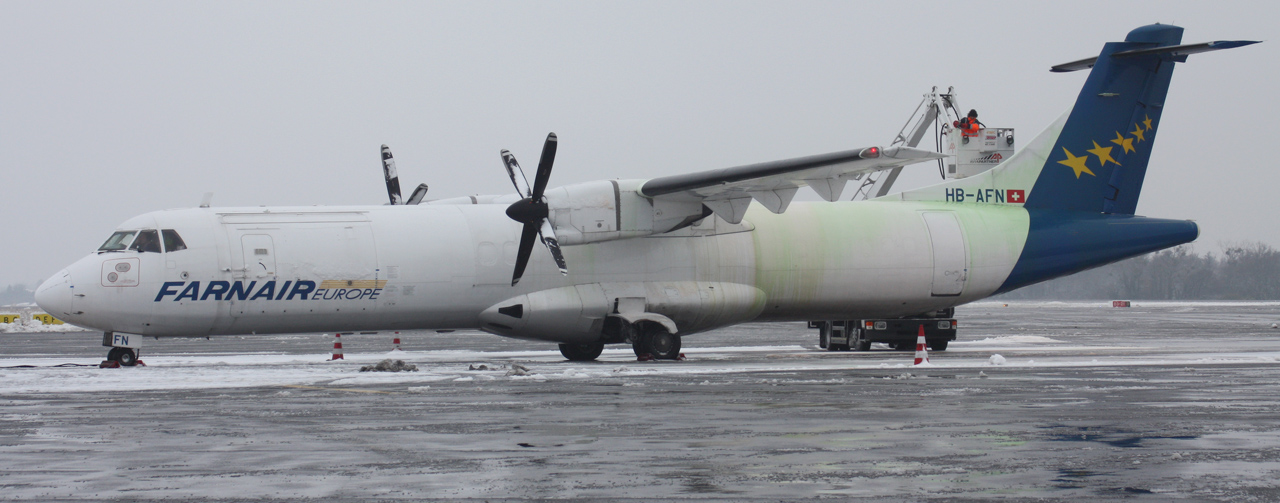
<point x="970" y="125"/>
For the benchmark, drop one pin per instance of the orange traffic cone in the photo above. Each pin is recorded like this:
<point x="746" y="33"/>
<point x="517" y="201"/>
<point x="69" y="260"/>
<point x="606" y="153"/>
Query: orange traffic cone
<point x="337" y="347"/>
<point x="922" y="356"/>
<point x="396" y="342"/>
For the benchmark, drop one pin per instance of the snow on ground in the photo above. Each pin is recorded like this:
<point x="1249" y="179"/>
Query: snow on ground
<point x="35" y="326"/>
<point x="1026" y="335"/>
<point x="239" y="371"/>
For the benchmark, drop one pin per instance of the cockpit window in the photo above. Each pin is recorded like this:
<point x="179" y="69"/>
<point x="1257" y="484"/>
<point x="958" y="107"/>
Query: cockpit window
<point x="118" y="241"/>
<point x="147" y="241"/>
<point x="172" y="241"/>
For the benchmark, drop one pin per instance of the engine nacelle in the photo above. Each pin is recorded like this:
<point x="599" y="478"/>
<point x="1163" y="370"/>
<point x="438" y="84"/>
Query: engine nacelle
<point x="573" y="314"/>
<point x="578" y="314"/>
<point x="608" y="210"/>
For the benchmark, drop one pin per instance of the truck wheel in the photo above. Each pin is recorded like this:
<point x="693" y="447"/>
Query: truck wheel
<point x="581" y="352"/>
<point x="938" y="345"/>
<point x="824" y="338"/>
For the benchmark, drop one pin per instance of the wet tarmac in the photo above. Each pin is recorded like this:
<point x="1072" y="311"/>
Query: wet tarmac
<point x="1162" y="401"/>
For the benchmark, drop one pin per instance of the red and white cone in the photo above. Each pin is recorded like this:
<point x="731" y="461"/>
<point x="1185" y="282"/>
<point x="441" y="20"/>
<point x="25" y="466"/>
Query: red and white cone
<point x="922" y="356"/>
<point x="337" y="347"/>
<point x="396" y="342"/>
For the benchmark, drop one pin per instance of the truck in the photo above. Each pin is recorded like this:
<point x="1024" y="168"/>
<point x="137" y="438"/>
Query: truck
<point x="899" y="333"/>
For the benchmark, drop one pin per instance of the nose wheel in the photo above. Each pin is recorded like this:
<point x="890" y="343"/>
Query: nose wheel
<point x="124" y="357"/>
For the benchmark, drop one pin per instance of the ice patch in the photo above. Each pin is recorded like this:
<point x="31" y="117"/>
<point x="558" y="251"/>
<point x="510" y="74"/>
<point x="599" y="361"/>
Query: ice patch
<point x="1011" y="339"/>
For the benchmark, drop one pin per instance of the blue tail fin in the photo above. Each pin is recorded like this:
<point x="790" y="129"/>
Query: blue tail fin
<point x="1101" y="156"/>
<point x="1100" y="159"/>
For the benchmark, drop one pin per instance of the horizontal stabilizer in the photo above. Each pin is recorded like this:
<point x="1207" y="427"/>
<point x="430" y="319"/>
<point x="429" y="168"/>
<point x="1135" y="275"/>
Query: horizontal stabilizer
<point x="1178" y="53"/>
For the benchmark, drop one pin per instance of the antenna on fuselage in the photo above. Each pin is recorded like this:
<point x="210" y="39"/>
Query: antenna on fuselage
<point x="206" y="200"/>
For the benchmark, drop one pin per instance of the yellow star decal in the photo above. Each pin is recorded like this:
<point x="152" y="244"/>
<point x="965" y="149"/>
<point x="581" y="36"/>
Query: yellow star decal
<point x="1147" y="122"/>
<point x="1126" y="143"/>
<point x="1076" y="163"/>
<point x="1103" y="153"/>
<point x="1137" y="133"/>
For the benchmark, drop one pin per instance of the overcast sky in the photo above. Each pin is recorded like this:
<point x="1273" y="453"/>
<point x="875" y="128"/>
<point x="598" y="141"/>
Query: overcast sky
<point x="113" y="109"/>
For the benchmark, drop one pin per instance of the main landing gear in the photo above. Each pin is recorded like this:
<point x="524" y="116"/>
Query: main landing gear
<point x="652" y="341"/>
<point x="649" y="340"/>
<point x="582" y="352"/>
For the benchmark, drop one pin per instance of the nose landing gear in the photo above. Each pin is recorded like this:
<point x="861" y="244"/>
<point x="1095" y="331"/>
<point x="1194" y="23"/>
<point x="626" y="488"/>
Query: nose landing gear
<point x="121" y="357"/>
<point x="123" y="353"/>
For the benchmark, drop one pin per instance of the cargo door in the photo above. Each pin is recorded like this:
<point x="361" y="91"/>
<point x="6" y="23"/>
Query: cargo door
<point x="950" y="255"/>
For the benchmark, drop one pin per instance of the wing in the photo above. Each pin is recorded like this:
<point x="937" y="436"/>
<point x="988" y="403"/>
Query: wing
<point x="729" y="191"/>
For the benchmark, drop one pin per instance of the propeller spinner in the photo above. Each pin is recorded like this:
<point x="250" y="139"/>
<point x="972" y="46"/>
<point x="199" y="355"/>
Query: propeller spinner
<point x="532" y="211"/>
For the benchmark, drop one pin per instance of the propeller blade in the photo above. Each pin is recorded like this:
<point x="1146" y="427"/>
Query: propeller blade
<point x="544" y="167"/>
<point x="418" y="194"/>
<point x="393" y="178"/>
<point x="526" y="248"/>
<point x="548" y="235"/>
<point x="517" y="175"/>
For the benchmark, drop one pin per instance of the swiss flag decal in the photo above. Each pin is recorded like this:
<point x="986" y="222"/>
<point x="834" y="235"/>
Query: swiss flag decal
<point x="1016" y="196"/>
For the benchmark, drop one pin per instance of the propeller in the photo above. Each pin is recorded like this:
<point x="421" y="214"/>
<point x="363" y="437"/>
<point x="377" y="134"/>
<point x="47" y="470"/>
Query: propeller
<point x="393" y="181"/>
<point x="393" y="178"/>
<point x="532" y="211"/>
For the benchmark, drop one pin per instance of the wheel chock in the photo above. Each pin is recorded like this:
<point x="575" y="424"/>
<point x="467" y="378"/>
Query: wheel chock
<point x="644" y="357"/>
<point x="112" y="364"/>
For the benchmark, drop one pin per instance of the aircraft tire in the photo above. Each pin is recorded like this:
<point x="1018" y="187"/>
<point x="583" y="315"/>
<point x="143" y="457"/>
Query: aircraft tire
<point x="113" y="355"/>
<point x="664" y="345"/>
<point x="127" y="357"/>
<point x="640" y="344"/>
<point x="582" y="352"/>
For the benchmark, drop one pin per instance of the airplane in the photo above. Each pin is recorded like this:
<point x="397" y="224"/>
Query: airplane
<point x="648" y="262"/>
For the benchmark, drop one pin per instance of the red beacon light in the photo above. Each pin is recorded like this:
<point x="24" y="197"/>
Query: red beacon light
<point x="870" y="153"/>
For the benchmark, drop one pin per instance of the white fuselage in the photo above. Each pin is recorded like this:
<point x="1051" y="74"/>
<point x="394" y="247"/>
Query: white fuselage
<point x="308" y="269"/>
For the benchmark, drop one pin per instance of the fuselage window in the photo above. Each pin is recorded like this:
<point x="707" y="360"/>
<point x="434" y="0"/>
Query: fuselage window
<point x="172" y="241"/>
<point x="118" y="241"/>
<point x="147" y="241"/>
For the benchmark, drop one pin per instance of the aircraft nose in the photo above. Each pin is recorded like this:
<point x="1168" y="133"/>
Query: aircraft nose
<point x="54" y="295"/>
